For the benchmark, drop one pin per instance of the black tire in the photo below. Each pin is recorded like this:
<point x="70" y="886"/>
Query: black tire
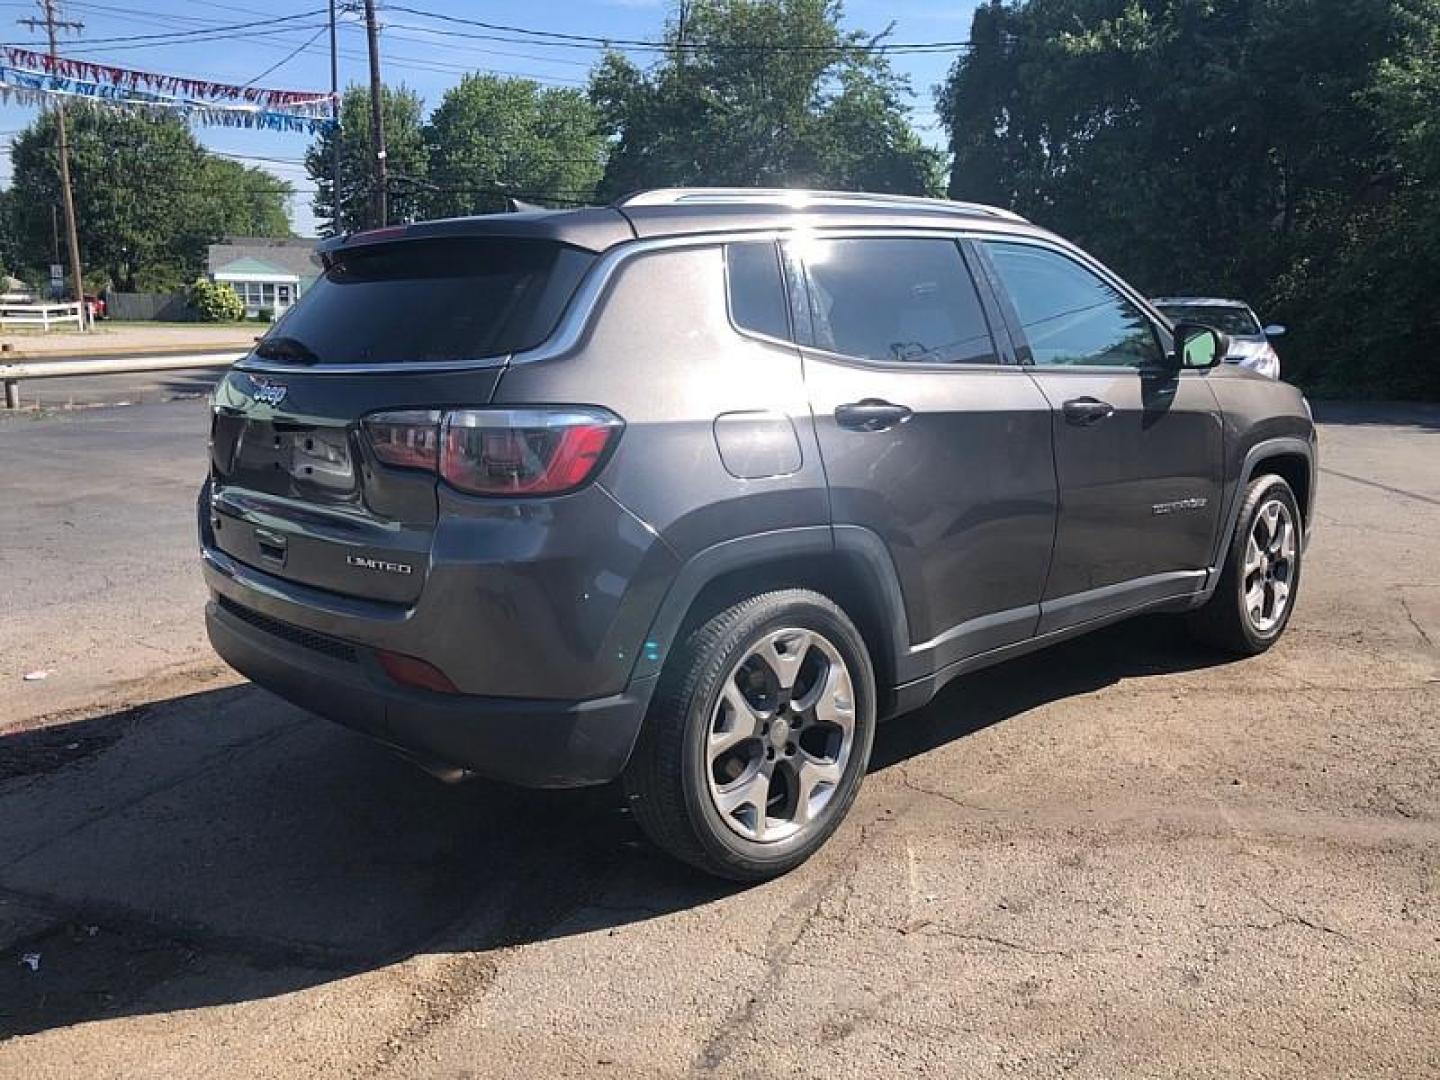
<point x="668" y="778"/>
<point x="1225" y="621"/>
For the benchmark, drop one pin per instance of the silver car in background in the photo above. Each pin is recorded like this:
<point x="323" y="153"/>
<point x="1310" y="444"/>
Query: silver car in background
<point x="1249" y="342"/>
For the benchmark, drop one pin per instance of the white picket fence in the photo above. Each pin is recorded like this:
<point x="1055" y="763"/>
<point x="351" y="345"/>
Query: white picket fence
<point x="42" y="315"/>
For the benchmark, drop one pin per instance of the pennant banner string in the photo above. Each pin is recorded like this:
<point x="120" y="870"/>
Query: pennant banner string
<point x="35" y="87"/>
<point x="106" y="74"/>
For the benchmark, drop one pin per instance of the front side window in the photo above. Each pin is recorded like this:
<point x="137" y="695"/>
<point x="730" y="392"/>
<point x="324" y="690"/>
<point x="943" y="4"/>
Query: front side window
<point x="909" y="301"/>
<point x="1069" y="314"/>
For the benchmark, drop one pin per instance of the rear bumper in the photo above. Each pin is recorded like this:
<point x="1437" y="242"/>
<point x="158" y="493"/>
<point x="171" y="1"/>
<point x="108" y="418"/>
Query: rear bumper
<point x="534" y="743"/>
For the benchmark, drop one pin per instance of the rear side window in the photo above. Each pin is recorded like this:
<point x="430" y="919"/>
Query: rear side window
<point x="896" y="301"/>
<point x="757" y="293"/>
<point x="426" y="301"/>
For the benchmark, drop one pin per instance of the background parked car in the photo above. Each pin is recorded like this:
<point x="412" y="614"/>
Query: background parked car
<point x="1249" y="342"/>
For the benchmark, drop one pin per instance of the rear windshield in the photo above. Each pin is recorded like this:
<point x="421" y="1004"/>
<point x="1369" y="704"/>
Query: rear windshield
<point x="1226" y="319"/>
<point x="422" y="301"/>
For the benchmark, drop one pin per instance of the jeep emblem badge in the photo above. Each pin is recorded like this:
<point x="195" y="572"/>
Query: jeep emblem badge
<point x="268" y="393"/>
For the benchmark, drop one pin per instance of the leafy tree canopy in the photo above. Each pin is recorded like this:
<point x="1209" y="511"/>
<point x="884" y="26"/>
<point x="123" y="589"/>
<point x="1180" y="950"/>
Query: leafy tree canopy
<point x="148" y="198"/>
<point x="492" y="137"/>
<point x="833" y="115"/>
<point x="405" y="156"/>
<point x="1281" y="151"/>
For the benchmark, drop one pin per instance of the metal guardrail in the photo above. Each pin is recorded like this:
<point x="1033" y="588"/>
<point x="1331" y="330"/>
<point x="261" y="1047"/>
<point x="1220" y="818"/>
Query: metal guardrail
<point x="41" y="315"/>
<point x="13" y="374"/>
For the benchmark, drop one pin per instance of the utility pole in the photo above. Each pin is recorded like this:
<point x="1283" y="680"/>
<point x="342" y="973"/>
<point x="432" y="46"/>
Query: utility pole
<point x="377" y="121"/>
<point x="52" y="24"/>
<point x="335" y="130"/>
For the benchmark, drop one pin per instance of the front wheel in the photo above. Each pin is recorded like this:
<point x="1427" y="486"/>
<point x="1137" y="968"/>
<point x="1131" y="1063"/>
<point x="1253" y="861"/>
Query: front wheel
<point x="1251" y="605"/>
<point x="758" y="738"/>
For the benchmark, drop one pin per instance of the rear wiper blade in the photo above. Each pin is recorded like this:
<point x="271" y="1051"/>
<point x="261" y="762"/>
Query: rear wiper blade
<point x="286" y="348"/>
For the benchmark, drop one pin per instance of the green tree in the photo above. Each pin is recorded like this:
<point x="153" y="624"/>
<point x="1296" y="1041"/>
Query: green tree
<point x="1244" y="147"/>
<point x="493" y="136"/>
<point x="405" y="158"/>
<point x="148" y="198"/>
<point x="721" y="108"/>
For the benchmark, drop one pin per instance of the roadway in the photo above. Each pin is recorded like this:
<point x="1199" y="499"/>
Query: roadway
<point x="1120" y="857"/>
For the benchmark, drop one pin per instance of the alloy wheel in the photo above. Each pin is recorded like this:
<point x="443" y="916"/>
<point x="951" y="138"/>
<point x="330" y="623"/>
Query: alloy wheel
<point x="1269" y="572"/>
<point x="781" y="735"/>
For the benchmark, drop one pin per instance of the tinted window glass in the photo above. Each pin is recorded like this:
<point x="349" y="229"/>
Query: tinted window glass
<point x="757" y="295"/>
<point x="1237" y="321"/>
<point x="1070" y="315"/>
<point x="429" y="300"/>
<point x="905" y="301"/>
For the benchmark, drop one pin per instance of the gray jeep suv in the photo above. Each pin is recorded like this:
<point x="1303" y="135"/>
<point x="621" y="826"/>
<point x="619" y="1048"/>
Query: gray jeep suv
<point x="692" y="490"/>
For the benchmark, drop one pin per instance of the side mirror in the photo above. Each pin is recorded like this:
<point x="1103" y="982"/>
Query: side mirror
<point x="1274" y="330"/>
<point x="1199" y="347"/>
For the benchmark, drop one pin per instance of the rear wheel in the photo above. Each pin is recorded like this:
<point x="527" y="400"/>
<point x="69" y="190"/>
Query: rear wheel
<point x="1252" y="603"/>
<point x="758" y="738"/>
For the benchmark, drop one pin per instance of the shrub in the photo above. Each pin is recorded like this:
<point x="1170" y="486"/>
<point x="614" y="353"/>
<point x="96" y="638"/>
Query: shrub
<point x="265" y="314"/>
<point x="216" y="301"/>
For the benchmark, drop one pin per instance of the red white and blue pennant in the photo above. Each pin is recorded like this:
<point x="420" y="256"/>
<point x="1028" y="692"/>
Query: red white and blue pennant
<point x="33" y="78"/>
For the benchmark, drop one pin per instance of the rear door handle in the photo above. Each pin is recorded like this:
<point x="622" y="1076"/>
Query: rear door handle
<point x="1086" y="410"/>
<point x="871" y="414"/>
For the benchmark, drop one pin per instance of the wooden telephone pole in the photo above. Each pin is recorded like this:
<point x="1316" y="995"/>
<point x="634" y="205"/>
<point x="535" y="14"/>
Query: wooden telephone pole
<point x="51" y="24"/>
<point x="377" y="120"/>
<point x="335" y="129"/>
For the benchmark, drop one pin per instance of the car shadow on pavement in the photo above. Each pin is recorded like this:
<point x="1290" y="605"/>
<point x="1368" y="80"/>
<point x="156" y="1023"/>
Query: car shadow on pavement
<point x="224" y="847"/>
<point x="1151" y="645"/>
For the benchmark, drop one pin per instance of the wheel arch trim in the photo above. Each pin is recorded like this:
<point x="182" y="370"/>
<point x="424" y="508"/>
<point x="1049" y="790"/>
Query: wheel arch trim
<point x="872" y="574"/>
<point x="1281" y="446"/>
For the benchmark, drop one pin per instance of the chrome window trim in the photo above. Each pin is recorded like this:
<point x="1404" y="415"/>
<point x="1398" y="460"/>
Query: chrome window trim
<point x="583" y="303"/>
<point x="254" y="363"/>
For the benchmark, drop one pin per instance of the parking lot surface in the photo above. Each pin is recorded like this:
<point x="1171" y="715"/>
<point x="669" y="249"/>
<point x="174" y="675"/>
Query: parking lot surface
<point x="1125" y="856"/>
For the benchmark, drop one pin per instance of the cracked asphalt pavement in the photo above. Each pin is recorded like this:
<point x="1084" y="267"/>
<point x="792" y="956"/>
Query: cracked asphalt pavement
<point x="1122" y="857"/>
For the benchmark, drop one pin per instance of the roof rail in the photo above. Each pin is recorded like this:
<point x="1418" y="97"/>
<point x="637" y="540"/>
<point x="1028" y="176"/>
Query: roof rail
<point x="800" y="199"/>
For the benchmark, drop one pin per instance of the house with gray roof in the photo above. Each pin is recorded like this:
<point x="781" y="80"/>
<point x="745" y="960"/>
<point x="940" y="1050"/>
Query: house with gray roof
<point x="268" y="274"/>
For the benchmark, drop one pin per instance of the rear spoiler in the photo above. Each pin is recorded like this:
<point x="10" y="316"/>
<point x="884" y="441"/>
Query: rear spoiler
<point x="594" y="229"/>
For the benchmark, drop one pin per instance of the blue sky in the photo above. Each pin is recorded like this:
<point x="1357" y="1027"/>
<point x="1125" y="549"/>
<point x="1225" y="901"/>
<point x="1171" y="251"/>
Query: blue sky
<point x="426" y="61"/>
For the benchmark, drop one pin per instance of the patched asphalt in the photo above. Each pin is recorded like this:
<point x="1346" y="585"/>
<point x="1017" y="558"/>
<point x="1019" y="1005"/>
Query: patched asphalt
<point x="1124" y="856"/>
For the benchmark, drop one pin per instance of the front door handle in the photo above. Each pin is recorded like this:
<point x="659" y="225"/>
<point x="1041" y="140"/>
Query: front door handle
<point x="872" y="414"/>
<point x="1086" y="410"/>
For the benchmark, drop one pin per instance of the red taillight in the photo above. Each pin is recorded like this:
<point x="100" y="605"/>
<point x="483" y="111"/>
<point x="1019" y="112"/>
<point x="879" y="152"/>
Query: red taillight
<point x="545" y="451"/>
<point x="524" y="451"/>
<point x="409" y="439"/>
<point x="410" y="671"/>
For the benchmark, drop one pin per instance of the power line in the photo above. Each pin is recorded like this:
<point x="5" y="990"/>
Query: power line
<point x="151" y="152"/>
<point x="130" y="45"/>
<point x="248" y="26"/>
<point x="401" y="61"/>
<point x="555" y="38"/>
<point x="390" y="28"/>
<point x="287" y="57"/>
